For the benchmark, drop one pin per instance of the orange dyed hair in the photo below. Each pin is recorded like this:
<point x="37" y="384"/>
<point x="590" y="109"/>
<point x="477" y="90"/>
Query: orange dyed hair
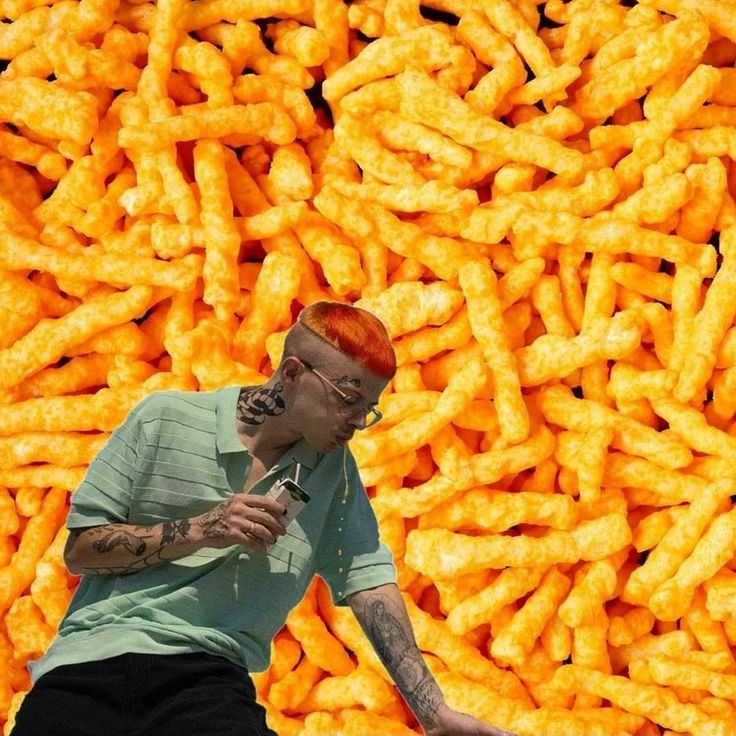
<point x="353" y="331"/>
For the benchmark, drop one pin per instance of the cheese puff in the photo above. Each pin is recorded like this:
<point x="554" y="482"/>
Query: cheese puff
<point x="589" y="649"/>
<point x="479" y="285"/>
<point x="79" y="67"/>
<point x="547" y="300"/>
<point x="424" y="101"/>
<point x="9" y="522"/>
<point x="430" y="304"/>
<point x="291" y="172"/>
<point x="127" y="339"/>
<point x="650" y="531"/>
<point x="360" y="687"/>
<point x="484" y="703"/>
<point x="710" y="325"/>
<point x="48" y="341"/>
<point x="461" y="554"/>
<point x="589" y="594"/>
<point x="517" y="638"/>
<point x="494" y="50"/>
<point x="666" y="671"/>
<point x="672" y="598"/>
<point x="613" y="236"/>
<point x="497" y="511"/>
<point x="277" y="286"/>
<point x="698" y="215"/>
<point x="686" y="295"/>
<point x="39" y="532"/>
<point x="627" y="382"/>
<point x="50" y="590"/>
<point x="552" y="356"/>
<point x="491" y="466"/>
<point x="676" y="158"/>
<point x="507" y="20"/>
<point x="590" y="472"/>
<point x="451" y="454"/>
<point x="656" y="202"/>
<point x="211" y="11"/>
<point x="690" y="425"/>
<point x="292" y="688"/>
<point x="717" y="141"/>
<point x="339" y="259"/>
<point x="29" y="634"/>
<point x="252" y="88"/>
<point x="359" y="722"/>
<point x="668" y="44"/>
<point x="412" y="433"/>
<point x="18" y="148"/>
<point x="103" y="213"/>
<point x="401" y="16"/>
<point x="222" y="240"/>
<point x="366" y="222"/>
<point x="460" y="656"/>
<point x="643" y="281"/>
<point x="307" y="45"/>
<point x="550" y="88"/>
<point x="206" y="64"/>
<point x="67" y="450"/>
<point x="654" y="702"/>
<point x="556" y="638"/>
<point x="126" y="370"/>
<point x="321" y="722"/>
<point x="430" y="341"/>
<point x="358" y="137"/>
<point x="719" y="589"/>
<point x="710" y="634"/>
<point x="716" y="15"/>
<point x="29" y="501"/>
<point x="454" y="592"/>
<point x="428" y="46"/>
<point x="319" y="645"/>
<point x="39" y="104"/>
<point x="623" y="630"/>
<point x="432" y="196"/>
<point x="647" y="480"/>
<point x="676" y="545"/>
<point x="676" y="644"/>
<point x="20" y="253"/>
<point x="262" y="119"/>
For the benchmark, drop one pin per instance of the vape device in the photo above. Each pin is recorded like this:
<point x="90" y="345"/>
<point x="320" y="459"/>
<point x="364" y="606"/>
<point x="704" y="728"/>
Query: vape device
<point x="291" y="495"/>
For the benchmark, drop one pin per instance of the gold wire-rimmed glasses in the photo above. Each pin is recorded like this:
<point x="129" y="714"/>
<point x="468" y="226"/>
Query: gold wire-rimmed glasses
<point x="350" y="405"/>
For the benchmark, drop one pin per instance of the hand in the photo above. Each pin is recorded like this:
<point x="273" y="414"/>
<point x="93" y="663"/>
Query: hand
<point x="448" y="722"/>
<point x="251" y="520"/>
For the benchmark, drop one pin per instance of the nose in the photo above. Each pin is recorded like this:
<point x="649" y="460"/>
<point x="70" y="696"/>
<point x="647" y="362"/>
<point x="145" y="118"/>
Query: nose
<point x="357" y="420"/>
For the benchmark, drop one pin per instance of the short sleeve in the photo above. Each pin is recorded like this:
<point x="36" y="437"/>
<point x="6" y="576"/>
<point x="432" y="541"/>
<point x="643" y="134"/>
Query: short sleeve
<point x="103" y="496"/>
<point x="352" y="557"/>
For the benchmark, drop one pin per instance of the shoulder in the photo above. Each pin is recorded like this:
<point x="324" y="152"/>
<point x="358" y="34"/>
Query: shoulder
<point x="184" y="407"/>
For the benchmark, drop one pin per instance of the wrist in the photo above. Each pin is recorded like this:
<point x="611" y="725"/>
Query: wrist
<point x="433" y="722"/>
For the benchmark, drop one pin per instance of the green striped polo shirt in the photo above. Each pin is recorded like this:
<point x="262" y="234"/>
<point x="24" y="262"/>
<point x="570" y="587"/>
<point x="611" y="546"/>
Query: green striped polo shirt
<point x="177" y="455"/>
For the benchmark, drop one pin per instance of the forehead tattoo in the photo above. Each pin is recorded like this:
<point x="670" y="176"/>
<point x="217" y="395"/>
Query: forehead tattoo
<point x="347" y="381"/>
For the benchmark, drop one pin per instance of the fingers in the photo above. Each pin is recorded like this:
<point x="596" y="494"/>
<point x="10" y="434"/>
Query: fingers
<point x="275" y="508"/>
<point x="262" y="525"/>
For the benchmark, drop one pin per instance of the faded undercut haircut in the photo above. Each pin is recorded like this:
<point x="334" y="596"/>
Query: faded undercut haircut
<point x="353" y="331"/>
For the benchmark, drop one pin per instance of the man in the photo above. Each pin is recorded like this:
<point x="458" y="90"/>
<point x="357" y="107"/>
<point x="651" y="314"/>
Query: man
<point x="188" y="570"/>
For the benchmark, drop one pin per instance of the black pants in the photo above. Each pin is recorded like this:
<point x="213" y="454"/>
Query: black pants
<point x="140" y="694"/>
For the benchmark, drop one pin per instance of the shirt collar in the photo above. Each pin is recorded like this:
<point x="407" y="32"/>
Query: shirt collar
<point x="227" y="440"/>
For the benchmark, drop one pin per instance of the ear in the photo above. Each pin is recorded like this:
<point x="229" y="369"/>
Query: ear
<point x="290" y="369"/>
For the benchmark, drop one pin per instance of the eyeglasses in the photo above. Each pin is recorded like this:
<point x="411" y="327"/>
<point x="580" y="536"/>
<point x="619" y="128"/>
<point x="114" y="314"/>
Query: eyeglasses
<point x="350" y="405"/>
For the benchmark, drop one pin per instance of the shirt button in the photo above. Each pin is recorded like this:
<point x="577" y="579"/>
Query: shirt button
<point x="339" y="553"/>
<point x="339" y="569"/>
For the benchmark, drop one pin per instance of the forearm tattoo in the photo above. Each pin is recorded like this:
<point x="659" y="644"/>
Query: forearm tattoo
<point x="255" y="404"/>
<point x="394" y="643"/>
<point x="139" y="541"/>
<point x="213" y="524"/>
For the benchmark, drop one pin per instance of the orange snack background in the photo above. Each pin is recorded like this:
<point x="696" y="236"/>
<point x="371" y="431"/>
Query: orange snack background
<point x="537" y="199"/>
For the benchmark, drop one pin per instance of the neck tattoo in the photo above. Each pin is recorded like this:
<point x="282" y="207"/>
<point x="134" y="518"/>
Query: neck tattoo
<point x="255" y="404"/>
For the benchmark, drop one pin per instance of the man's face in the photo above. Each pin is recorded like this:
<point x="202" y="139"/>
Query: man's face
<point x="326" y="418"/>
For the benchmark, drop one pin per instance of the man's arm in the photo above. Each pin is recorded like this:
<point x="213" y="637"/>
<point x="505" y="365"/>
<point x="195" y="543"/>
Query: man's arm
<point x="382" y="615"/>
<point x="122" y="549"/>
